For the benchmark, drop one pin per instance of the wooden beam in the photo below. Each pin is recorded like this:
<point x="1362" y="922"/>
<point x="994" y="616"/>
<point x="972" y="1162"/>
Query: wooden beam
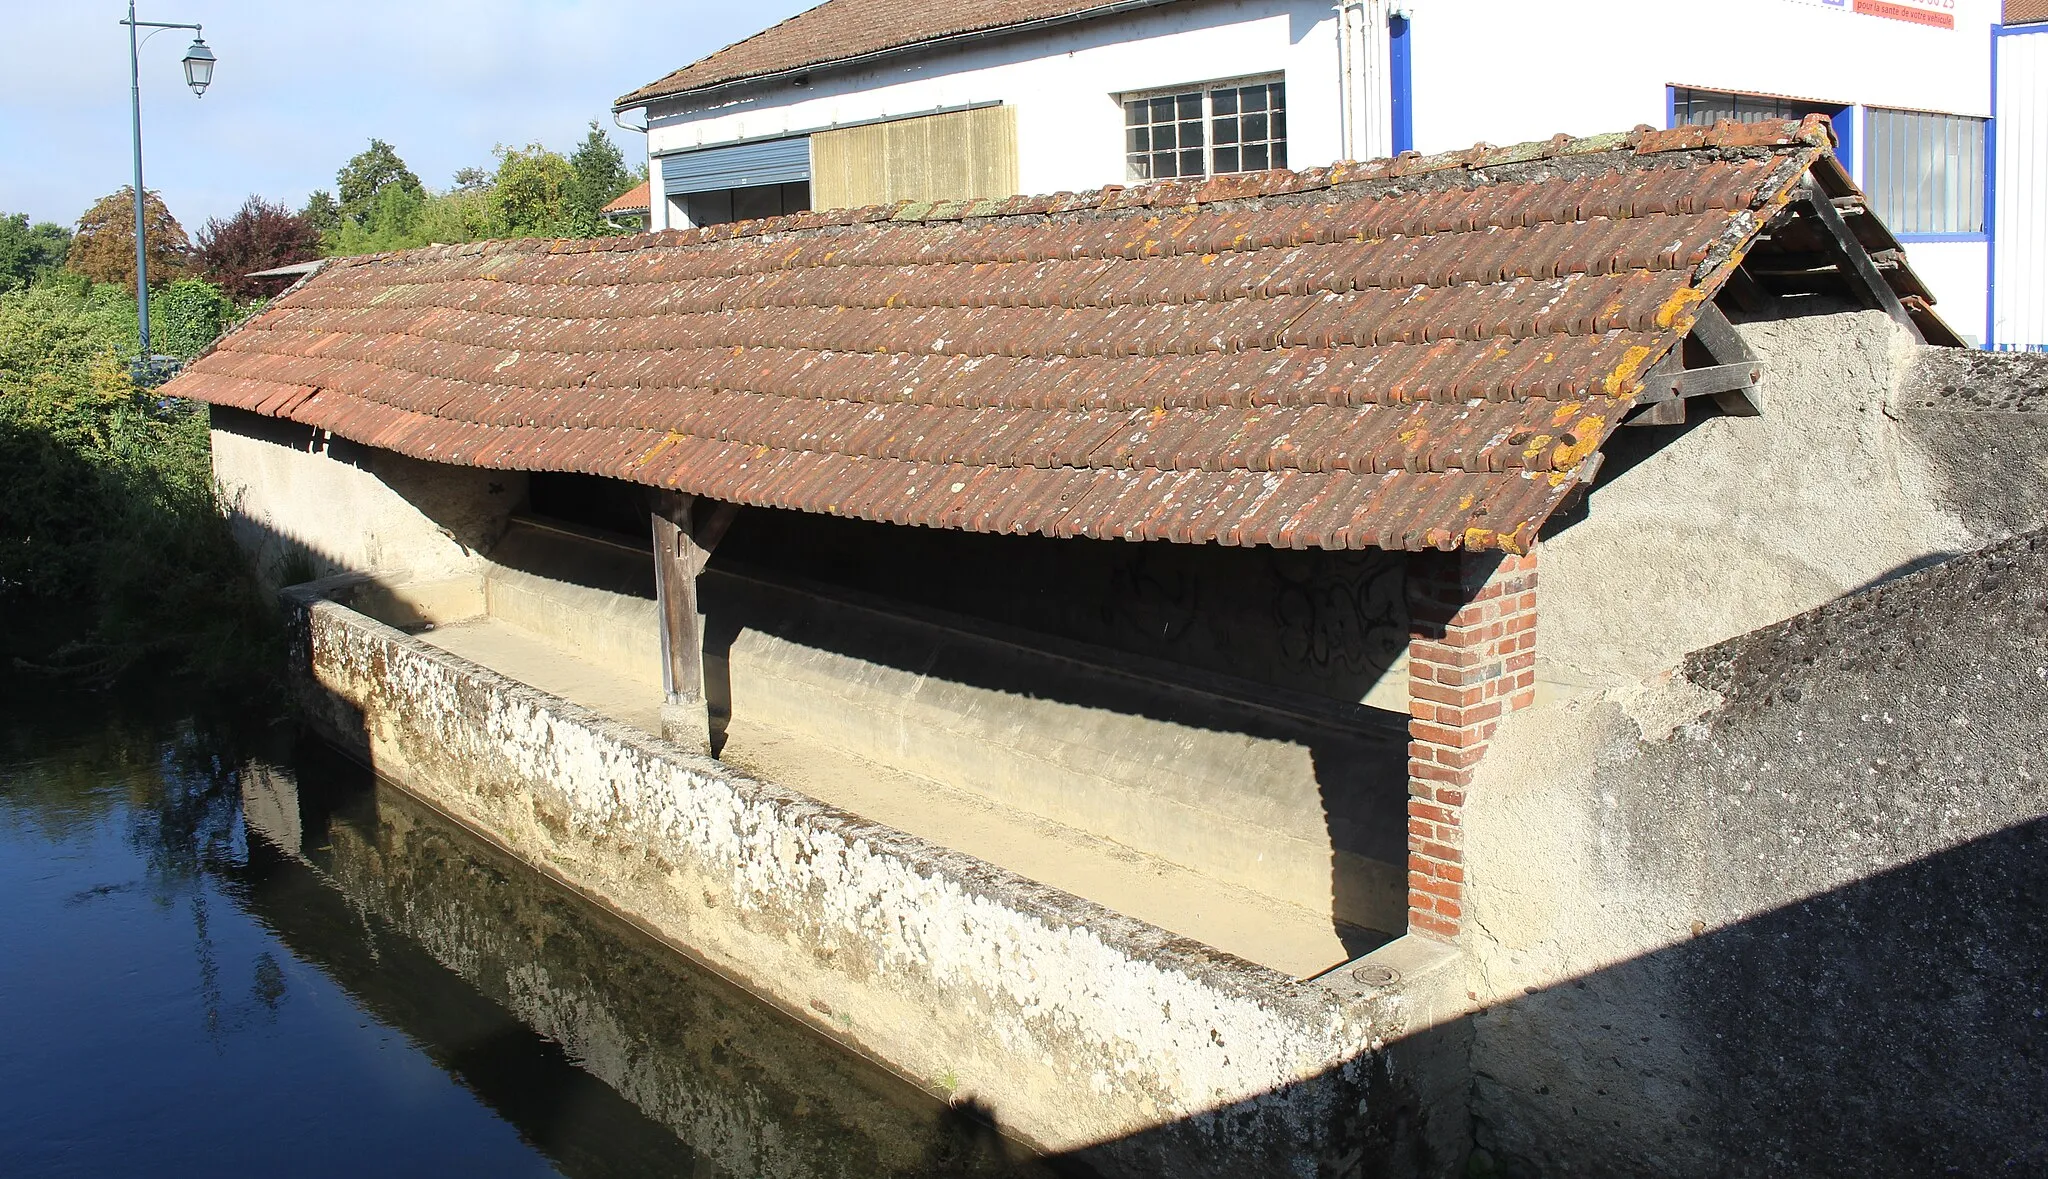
<point x="713" y="519"/>
<point x="685" y="719"/>
<point x="1727" y="347"/>
<point x="1720" y="338"/>
<point x="1747" y="293"/>
<point x="1856" y="262"/>
<point x="1699" y="382"/>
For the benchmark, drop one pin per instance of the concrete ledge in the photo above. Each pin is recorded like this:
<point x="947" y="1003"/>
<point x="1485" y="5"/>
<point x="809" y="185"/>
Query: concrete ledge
<point x="1078" y="1029"/>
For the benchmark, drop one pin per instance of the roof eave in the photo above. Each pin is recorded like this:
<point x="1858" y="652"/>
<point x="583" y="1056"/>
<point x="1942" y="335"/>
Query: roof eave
<point x="643" y="98"/>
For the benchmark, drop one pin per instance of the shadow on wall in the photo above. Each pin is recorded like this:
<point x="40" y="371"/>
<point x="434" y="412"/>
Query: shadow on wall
<point x="1277" y="647"/>
<point x="1895" y="1026"/>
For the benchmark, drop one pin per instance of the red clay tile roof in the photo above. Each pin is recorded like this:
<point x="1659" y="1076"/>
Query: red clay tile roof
<point x="2025" y="12"/>
<point x="1404" y="354"/>
<point x="633" y="200"/>
<point x="842" y="30"/>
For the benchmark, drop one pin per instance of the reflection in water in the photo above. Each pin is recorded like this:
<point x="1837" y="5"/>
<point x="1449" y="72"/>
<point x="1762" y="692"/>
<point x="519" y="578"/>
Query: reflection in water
<point x="238" y="951"/>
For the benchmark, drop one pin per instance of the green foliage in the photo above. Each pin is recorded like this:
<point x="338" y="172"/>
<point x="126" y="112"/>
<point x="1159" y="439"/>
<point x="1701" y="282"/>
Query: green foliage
<point x="530" y="193"/>
<point x="113" y="551"/>
<point x="322" y="213"/>
<point x="29" y="251"/>
<point x="599" y="176"/>
<point x="367" y="178"/>
<point x="533" y="192"/>
<point x="390" y="222"/>
<point x="186" y="316"/>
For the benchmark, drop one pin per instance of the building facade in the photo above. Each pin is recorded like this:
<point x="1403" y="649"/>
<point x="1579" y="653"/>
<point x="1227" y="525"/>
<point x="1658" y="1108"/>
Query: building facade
<point x="837" y="108"/>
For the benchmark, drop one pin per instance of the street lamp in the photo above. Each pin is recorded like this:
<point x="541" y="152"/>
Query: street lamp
<point x="198" y="75"/>
<point x="198" y="66"/>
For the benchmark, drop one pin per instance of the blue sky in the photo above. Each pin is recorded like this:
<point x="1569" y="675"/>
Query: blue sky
<point x="303" y="85"/>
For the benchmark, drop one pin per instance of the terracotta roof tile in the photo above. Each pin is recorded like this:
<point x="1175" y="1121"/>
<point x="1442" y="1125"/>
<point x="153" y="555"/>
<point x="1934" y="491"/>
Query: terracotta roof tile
<point x="1413" y="353"/>
<point x="633" y="200"/>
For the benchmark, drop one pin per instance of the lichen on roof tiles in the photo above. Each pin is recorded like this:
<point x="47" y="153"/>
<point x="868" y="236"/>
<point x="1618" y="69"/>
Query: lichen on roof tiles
<point x="1403" y="353"/>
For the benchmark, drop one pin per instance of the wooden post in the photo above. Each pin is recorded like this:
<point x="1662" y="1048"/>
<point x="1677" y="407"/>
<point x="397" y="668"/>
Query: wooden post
<point x="685" y="719"/>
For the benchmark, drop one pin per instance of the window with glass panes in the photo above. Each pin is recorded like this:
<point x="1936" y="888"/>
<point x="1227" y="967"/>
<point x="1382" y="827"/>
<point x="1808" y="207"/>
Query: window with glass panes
<point x="1241" y="127"/>
<point x="1926" y="172"/>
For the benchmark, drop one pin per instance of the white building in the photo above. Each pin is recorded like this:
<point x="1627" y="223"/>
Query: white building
<point x="866" y="101"/>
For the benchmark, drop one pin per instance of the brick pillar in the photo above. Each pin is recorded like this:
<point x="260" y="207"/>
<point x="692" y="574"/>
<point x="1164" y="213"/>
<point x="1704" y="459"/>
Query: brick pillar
<point x="1472" y="659"/>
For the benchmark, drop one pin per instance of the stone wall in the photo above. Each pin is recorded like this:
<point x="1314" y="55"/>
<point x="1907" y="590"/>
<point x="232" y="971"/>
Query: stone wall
<point x="1785" y="912"/>
<point x="1076" y="1028"/>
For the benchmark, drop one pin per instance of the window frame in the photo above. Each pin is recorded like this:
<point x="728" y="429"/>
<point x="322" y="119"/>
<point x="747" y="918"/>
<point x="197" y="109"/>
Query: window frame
<point x="1207" y="90"/>
<point x="1976" y="197"/>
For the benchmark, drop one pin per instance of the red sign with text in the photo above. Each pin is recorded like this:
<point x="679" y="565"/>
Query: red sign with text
<point x="1914" y="13"/>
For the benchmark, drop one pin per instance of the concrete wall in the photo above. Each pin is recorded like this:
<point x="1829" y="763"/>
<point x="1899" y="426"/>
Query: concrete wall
<point x="1780" y="914"/>
<point x="1078" y="1029"/>
<point x="1981" y="425"/>
<point x="1303" y="807"/>
<point x="1694" y="535"/>
<point x="307" y="503"/>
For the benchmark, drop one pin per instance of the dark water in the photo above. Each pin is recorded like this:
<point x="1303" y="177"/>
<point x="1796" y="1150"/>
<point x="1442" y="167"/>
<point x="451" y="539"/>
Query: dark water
<point x="233" y="952"/>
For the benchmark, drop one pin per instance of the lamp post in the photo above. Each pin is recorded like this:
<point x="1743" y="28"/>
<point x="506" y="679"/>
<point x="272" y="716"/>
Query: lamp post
<point x="198" y="75"/>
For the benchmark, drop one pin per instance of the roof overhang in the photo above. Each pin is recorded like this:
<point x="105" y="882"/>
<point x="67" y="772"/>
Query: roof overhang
<point x="1426" y="352"/>
<point x="654" y="92"/>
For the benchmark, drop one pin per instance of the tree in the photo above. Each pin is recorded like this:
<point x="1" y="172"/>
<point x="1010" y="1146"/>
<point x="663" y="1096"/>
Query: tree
<point x="258" y="237"/>
<point x="391" y="222"/>
<point x="367" y="175"/>
<point x="471" y="179"/>
<point x="28" y="251"/>
<point x="103" y="248"/>
<point x="600" y="175"/>
<point x="530" y="194"/>
<point x="322" y="213"/>
<point x="188" y="315"/>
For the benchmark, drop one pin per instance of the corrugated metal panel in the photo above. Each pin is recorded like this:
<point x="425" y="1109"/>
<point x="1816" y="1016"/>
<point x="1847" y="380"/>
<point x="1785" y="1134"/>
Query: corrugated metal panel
<point x="2019" y="311"/>
<point x="739" y="165"/>
<point x="959" y="155"/>
<point x="1364" y="355"/>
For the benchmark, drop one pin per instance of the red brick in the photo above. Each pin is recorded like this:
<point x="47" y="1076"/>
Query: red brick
<point x="1442" y="694"/>
<point x="1440" y="851"/>
<point x="1443" y="890"/>
<point x="1430" y="811"/>
<point x="1436" y="868"/>
<point x="1432" y="925"/>
<point x="1437" y="773"/>
<point x="1452" y="736"/>
<point x="1461" y="758"/>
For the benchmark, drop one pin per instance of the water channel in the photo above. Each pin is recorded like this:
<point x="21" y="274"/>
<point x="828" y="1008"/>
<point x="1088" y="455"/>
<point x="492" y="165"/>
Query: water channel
<point x="227" y="950"/>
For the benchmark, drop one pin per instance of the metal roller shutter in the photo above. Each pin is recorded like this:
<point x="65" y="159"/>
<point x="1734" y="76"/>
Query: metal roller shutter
<point x="739" y="165"/>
